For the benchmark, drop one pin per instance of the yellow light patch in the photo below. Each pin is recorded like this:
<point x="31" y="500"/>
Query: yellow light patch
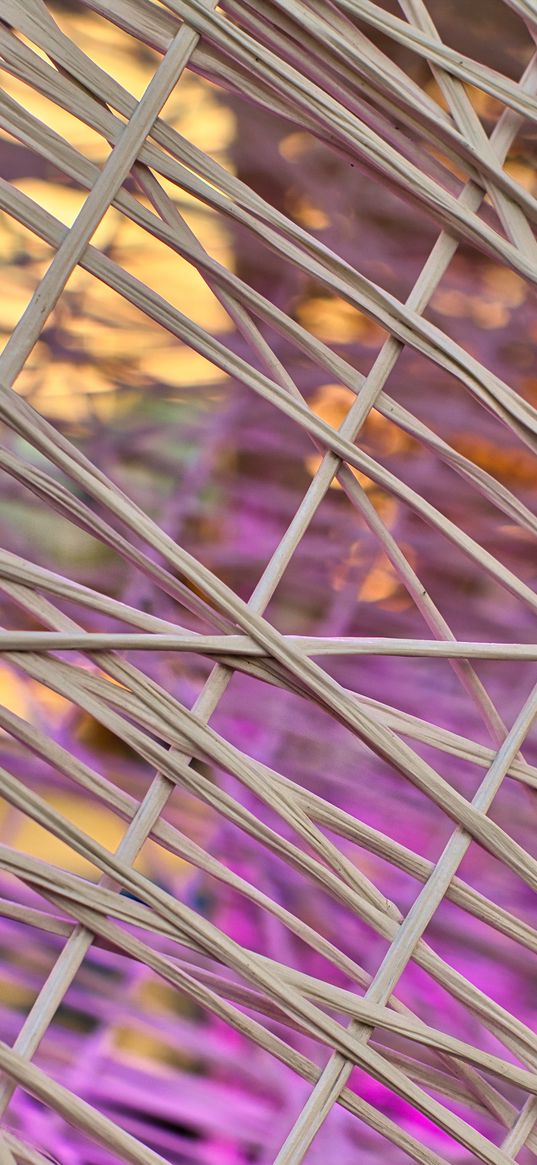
<point x="295" y="145"/>
<point x="180" y="367"/>
<point x="15" y="692"/>
<point x="336" y="322"/>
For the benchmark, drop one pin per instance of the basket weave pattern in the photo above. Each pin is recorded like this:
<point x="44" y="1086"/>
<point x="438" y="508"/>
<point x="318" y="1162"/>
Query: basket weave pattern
<point x="319" y="66"/>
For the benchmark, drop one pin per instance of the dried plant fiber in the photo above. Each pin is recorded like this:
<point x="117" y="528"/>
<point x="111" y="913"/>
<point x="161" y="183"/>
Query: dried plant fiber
<point x="346" y="1028"/>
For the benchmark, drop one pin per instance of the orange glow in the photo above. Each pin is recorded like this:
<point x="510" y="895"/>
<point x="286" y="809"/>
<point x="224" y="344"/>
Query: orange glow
<point x="491" y="308"/>
<point x="305" y="212"/>
<point x="378" y="580"/>
<point x="523" y="173"/>
<point x="295" y="145"/>
<point x="335" y="322"/>
<point x="509" y="465"/>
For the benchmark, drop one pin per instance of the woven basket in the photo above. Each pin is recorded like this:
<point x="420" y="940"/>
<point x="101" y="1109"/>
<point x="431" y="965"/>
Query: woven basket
<point x="268" y="645"/>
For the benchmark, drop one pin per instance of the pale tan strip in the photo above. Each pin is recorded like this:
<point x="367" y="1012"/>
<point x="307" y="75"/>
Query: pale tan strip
<point x="196" y="782"/>
<point x="17" y="569"/>
<point x="504" y="1025"/>
<point x="346" y="281"/>
<point x="338" y="1071"/>
<point x="242" y="645"/>
<point x="441" y="1083"/>
<point x="23" y="1152"/>
<point x="214" y="942"/>
<point x="65" y="889"/>
<point x="115" y="169"/>
<point x="74" y="1110"/>
<point x="6" y="1156"/>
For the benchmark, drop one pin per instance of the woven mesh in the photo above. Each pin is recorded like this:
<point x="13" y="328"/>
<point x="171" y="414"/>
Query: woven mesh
<point x="321" y="67"/>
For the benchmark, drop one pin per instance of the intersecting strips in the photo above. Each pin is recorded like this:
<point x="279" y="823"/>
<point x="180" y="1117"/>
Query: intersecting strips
<point x="319" y="67"/>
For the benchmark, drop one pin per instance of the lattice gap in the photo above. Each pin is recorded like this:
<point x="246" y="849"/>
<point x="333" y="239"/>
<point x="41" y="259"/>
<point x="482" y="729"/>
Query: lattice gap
<point x="347" y="1033"/>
